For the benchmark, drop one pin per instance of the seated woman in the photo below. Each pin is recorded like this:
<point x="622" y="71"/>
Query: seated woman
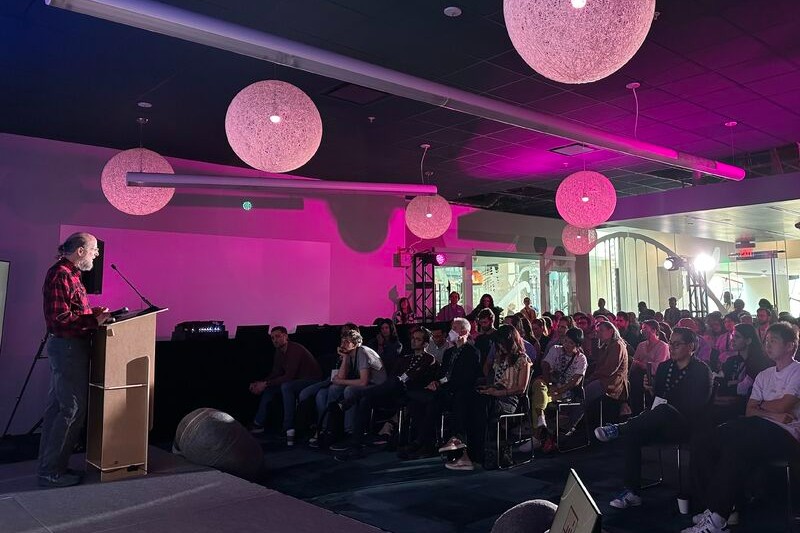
<point x="405" y="313"/>
<point x="508" y="380"/>
<point x="562" y="371"/>
<point x="649" y="354"/>
<point x="739" y="373"/>
<point x="386" y="344"/>
<point x="610" y="375"/>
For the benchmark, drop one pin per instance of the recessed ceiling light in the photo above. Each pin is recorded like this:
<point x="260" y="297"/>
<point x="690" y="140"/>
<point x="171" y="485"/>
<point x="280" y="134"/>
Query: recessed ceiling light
<point x="452" y="11"/>
<point x="731" y="124"/>
<point x="145" y="105"/>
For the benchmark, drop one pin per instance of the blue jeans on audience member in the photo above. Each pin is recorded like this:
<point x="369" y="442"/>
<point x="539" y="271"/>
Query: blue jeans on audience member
<point x="332" y="394"/>
<point x="289" y="391"/>
<point x="66" y="403"/>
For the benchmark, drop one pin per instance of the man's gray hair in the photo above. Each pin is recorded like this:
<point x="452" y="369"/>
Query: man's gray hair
<point x="464" y="323"/>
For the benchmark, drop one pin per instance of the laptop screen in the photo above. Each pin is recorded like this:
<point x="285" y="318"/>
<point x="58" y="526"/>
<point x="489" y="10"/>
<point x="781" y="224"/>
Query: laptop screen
<point x="577" y="512"/>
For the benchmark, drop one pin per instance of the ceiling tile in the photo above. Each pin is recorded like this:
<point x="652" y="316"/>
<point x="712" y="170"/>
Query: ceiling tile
<point x="482" y="77"/>
<point x="525" y="90"/>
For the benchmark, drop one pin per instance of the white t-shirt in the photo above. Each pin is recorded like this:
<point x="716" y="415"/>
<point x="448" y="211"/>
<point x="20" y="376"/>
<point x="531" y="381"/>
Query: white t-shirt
<point x="368" y="359"/>
<point x="558" y="362"/>
<point x="773" y="385"/>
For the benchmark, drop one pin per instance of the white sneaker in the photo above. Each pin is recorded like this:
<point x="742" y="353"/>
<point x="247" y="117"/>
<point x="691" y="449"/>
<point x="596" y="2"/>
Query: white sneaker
<point x="527" y="446"/>
<point x="540" y="421"/>
<point x="626" y="499"/>
<point x="707" y="525"/>
<point x="700" y="517"/>
<point x="452" y="445"/>
<point x="290" y="437"/>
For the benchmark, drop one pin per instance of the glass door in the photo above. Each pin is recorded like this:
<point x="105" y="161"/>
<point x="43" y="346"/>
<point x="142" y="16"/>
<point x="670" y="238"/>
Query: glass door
<point x="560" y="291"/>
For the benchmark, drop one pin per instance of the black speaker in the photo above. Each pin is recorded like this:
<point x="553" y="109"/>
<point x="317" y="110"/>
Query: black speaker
<point x="93" y="279"/>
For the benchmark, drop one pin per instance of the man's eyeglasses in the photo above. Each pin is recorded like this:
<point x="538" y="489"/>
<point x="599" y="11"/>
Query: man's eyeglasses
<point x="677" y="344"/>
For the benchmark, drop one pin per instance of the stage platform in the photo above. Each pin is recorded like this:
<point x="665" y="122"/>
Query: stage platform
<point x="176" y="497"/>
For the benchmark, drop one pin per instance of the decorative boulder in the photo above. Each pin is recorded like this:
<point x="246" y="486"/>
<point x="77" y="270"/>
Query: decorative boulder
<point x="212" y="438"/>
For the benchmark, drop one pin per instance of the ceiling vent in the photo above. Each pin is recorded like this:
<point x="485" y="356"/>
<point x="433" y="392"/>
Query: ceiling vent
<point x="356" y="94"/>
<point x="574" y="149"/>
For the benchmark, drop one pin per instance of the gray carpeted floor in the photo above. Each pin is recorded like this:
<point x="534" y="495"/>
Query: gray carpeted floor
<point x="413" y="496"/>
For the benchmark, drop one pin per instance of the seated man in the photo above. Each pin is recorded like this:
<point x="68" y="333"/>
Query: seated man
<point x="439" y="342"/>
<point x="769" y="431"/>
<point x="452" y="389"/>
<point x="293" y="369"/>
<point x="682" y="389"/>
<point x="411" y="372"/>
<point x="360" y="367"/>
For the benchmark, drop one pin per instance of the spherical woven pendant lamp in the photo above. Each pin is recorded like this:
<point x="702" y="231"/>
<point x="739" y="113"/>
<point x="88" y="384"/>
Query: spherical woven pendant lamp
<point x="586" y="199"/>
<point x="578" y="241"/>
<point x="428" y="217"/>
<point x="273" y="126"/>
<point x="577" y="41"/>
<point x="135" y="200"/>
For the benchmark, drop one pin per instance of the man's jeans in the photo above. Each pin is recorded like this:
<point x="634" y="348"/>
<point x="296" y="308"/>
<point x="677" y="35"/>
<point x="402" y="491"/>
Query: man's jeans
<point x="66" y="403"/>
<point x="289" y="391"/>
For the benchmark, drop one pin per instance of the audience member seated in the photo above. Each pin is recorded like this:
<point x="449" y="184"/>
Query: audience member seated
<point x="703" y="352"/>
<point x="628" y="331"/>
<point x="386" y="344"/>
<point x="453" y="390"/>
<point x="405" y="313"/>
<point x="770" y="431"/>
<point x="508" y="380"/>
<point x="439" y="342"/>
<point x="725" y="341"/>
<point x="360" y="367"/>
<point x="531" y="350"/>
<point x="649" y="354"/>
<point x="563" y="369"/>
<point x="293" y="369"/>
<point x="412" y="372"/>
<point x="484" y="341"/>
<point x="765" y="320"/>
<point x="590" y="341"/>
<point x="739" y="373"/>
<point x="451" y="310"/>
<point x="529" y="312"/>
<point x="609" y="379"/>
<point x="682" y="388"/>
<point x="486" y="302"/>
<point x="715" y="336"/>
<point x="564" y="323"/>
<point x="672" y="314"/>
<point x="541" y="333"/>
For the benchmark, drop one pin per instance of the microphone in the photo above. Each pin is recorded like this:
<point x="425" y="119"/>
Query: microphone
<point x="145" y="300"/>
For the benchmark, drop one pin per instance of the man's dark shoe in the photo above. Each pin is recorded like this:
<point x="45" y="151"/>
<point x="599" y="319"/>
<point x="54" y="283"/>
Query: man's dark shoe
<point x="356" y="452"/>
<point x="59" y="480"/>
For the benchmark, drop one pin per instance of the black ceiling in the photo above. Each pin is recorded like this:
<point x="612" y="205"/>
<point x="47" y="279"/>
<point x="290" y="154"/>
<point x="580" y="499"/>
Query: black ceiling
<point x="71" y="77"/>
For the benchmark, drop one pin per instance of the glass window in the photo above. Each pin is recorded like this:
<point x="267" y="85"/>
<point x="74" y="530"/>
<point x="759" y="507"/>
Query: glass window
<point x="508" y="279"/>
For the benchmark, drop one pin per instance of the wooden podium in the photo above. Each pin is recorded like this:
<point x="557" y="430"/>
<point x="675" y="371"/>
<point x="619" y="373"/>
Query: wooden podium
<point x="121" y="380"/>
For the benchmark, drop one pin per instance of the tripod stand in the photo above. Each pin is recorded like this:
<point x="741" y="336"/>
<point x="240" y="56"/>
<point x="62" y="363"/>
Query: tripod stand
<point x="39" y="355"/>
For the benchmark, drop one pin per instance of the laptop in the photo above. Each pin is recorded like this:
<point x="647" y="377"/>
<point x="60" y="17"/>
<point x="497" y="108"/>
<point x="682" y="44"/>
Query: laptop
<point x="577" y="511"/>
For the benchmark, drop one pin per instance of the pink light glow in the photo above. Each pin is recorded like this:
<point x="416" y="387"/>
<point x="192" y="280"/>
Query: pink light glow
<point x="572" y="45"/>
<point x="273" y="126"/>
<point x="578" y="241"/>
<point x="135" y="200"/>
<point x="586" y="199"/>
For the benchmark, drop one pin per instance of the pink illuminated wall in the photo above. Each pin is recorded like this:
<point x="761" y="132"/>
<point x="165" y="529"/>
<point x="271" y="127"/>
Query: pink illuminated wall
<point x="289" y="260"/>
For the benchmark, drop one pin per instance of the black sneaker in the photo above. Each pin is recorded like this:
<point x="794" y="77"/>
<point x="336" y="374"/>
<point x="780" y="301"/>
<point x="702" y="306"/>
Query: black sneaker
<point x="355" y="452"/>
<point x="342" y="446"/>
<point x="256" y="429"/>
<point x="59" y="480"/>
